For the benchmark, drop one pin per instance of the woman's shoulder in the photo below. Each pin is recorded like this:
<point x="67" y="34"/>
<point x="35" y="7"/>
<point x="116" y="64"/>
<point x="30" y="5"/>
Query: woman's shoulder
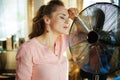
<point x="26" y="47"/>
<point x="30" y="41"/>
<point x="29" y="44"/>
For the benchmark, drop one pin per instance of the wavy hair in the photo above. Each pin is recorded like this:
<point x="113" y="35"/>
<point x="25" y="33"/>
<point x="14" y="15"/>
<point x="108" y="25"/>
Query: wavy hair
<point x="38" y="26"/>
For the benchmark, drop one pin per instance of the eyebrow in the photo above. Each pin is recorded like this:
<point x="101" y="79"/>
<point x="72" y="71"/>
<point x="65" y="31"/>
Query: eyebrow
<point x="63" y="14"/>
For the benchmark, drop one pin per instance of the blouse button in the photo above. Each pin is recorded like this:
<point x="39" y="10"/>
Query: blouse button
<point x="56" y="55"/>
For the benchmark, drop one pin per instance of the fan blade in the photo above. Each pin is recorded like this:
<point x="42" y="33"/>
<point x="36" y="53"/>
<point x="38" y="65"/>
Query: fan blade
<point x="107" y="38"/>
<point x="99" y="59"/>
<point x="77" y="35"/>
<point x="81" y="22"/>
<point x="79" y="41"/>
<point x="80" y="52"/>
<point x="93" y="63"/>
<point x="98" y="19"/>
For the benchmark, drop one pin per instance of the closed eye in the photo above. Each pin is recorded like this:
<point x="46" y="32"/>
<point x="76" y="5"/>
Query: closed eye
<point x="62" y="17"/>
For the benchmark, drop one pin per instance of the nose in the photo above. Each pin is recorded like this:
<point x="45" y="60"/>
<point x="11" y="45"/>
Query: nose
<point x="67" y="21"/>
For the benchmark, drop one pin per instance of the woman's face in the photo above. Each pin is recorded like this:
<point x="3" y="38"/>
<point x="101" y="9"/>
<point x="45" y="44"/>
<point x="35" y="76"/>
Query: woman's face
<point x="59" y="21"/>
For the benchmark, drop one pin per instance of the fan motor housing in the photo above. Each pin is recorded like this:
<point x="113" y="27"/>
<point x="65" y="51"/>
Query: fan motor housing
<point x="92" y="37"/>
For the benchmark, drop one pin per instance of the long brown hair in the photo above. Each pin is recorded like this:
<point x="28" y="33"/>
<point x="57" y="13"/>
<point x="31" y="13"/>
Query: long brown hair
<point x="38" y="26"/>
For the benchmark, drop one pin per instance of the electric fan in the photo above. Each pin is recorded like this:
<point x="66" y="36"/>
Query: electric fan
<point x="94" y="38"/>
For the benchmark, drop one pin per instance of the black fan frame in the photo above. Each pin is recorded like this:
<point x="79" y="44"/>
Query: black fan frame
<point x="116" y="44"/>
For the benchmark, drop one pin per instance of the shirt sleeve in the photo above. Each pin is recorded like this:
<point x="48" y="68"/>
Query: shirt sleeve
<point x="24" y="64"/>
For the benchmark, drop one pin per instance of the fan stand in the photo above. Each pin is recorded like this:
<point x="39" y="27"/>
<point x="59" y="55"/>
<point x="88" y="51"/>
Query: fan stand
<point x="96" y="77"/>
<point x="92" y="38"/>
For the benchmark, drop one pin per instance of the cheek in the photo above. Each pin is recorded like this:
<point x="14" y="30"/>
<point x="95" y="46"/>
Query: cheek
<point x="52" y="23"/>
<point x="57" y="23"/>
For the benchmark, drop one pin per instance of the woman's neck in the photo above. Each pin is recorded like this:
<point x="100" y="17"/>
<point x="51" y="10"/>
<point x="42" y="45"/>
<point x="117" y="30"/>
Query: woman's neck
<point x="48" y="40"/>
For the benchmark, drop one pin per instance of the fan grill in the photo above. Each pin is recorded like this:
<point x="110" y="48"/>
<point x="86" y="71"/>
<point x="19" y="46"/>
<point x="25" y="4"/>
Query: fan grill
<point x="94" y="40"/>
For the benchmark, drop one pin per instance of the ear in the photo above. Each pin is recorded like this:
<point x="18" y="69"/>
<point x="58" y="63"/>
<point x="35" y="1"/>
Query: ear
<point x="46" y="19"/>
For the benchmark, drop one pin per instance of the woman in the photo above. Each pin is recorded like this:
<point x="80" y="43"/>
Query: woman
<point x="43" y="56"/>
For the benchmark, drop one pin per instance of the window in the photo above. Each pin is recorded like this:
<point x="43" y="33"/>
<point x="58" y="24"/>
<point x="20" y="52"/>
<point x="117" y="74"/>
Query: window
<point x="13" y="18"/>
<point x="89" y="2"/>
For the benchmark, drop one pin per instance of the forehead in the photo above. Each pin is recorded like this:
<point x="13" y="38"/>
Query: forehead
<point x="62" y="11"/>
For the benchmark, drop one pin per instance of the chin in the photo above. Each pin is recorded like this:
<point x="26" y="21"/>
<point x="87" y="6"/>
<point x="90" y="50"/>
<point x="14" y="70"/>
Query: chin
<point x="66" y="33"/>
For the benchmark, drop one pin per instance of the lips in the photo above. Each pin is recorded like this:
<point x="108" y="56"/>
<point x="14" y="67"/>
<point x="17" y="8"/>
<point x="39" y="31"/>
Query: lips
<point x="65" y="27"/>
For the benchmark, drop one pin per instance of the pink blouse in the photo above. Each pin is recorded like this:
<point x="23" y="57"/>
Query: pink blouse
<point x="36" y="62"/>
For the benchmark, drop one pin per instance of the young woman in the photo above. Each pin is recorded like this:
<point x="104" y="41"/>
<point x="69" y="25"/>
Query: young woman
<point x="43" y="56"/>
